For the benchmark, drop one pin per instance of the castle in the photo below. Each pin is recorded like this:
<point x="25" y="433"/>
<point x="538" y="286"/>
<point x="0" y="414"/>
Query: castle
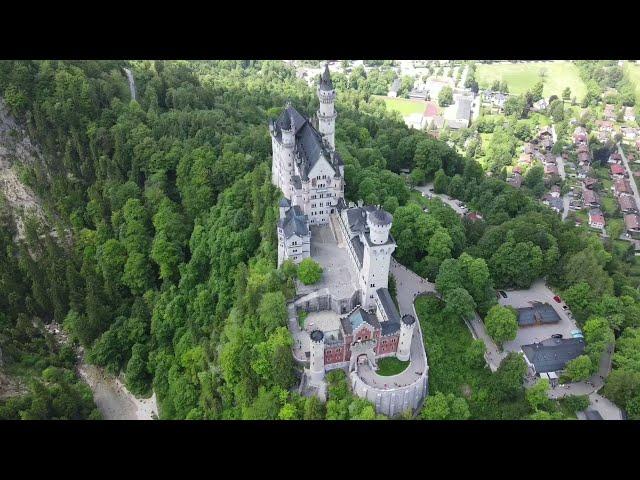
<point x="352" y="319"/>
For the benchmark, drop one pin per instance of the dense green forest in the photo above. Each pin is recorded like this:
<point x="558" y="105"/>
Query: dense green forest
<point x="171" y="275"/>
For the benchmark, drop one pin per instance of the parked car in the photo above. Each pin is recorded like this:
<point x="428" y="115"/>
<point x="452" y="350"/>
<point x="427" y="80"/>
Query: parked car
<point x="557" y="299"/>
<point x="577" y="333"/>
<point x="564" y="307"/>
<point x="556" y="335"/>
<point x="503" y="293"/>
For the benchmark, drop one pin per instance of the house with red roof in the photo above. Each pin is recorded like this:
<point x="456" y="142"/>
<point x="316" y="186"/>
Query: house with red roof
<point x="627" y="204"/>
<point x="596" y="218"/>
<point x="622" y="187"/>
<point x="615" y="157"/>
<point x="580" y="136"/>
<point x="618" y="171"/>
<point x="584" y="158"/>
<point x="431" y="110"/>
<point x="590" y="198"/>
<point x="632" y="224"/>
<point x="589" y="182"/>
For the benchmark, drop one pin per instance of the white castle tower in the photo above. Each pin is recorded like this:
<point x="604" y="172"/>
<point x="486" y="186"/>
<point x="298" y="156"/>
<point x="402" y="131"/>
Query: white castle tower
<point x="316" y="356"/>
<point x="327" y="112"/>
<point x="287" y="155"/>
<point x="378" y="248"/>
<point x="407" y="325"/>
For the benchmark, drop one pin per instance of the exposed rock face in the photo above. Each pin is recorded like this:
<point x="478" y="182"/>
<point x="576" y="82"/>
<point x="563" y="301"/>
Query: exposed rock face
<point x="16" y="149"/>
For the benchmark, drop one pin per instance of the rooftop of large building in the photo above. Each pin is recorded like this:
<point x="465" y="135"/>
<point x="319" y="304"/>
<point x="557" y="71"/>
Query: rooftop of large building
<point x="538" y="313"/>
<point x="294" y="223"/>
<point x="392" y="324"/>
<point x="552" y="354"/>
<point x="356" y="318"/>
<point x="310" y="146"/>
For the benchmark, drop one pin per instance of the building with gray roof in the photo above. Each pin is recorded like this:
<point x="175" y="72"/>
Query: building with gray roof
<point x="537" y="314"/>
<point x="294" y="236"/>
<point x="306" y="166"/>
<point x="355" y="320"/>
<point x="552" y="354"/>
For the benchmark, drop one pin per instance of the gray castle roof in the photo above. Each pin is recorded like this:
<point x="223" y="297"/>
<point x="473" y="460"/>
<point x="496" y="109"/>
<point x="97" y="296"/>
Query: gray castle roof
<point x="284" y="202"/>
<point x="310" y="146"/>
<point x="392" y="324"/>
<point x="294" y="223"/>
<point x="325" y="79"/>
<point x="356" y="318"/>
<point x="358" y="247"/>
<point x="380" y="217"/>
<point x="408" y="319"/>
<point x="357" y="217"/>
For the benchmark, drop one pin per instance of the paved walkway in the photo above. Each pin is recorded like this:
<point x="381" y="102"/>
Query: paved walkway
<point x="452" y="202"/>
<point x="606" y="407"/>
<point x="408" y="286"/>
<point x="493" y="355"/>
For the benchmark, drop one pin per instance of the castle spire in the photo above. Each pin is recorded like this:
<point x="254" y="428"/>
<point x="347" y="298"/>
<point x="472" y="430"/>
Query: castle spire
<point x="325" y="79"/>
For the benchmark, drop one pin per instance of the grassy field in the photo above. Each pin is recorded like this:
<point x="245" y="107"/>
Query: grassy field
<point x="520" y="77"/>
<point x="608" y="205"/>
<point x="632" y="70"/>
<point x="404" y="106"/>
<point x="391" y="366"/>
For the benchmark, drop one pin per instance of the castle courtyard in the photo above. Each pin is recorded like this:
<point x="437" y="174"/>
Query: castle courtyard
<point x="337" y="275"/>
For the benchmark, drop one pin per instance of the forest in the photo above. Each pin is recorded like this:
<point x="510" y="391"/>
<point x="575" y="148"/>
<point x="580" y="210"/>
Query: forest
<point x="170" y="274"/>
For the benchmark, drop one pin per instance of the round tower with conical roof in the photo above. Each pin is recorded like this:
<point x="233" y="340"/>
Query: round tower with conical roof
<point x="327" y="113"/>
<point x="407" y="325"/>
<point x="378" y="247"/>
<point x="316" y="356"/>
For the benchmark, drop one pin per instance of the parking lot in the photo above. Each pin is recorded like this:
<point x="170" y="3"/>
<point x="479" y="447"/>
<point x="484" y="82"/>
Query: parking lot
<point x="538" y="292"/>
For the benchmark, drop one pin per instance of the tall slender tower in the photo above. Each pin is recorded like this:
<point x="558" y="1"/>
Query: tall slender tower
<point x="407" y="325"/>
<point x="316" y="356"/>
<point x="287" y="154"/>
<point x="377" y="256"/>
<point x="327" y="112"/>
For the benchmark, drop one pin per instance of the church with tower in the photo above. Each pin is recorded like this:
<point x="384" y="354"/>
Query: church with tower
<point x="352" y="319"/>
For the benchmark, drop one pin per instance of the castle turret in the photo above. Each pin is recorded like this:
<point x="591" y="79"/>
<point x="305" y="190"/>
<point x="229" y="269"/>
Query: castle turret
<point x="377" y="256"/>
<point x="316" y="356"/>
<point x="327" y="113"/>
<point x="284" y="205"/>
<point x="407" y="325"/>
<point x="379" y="223"/>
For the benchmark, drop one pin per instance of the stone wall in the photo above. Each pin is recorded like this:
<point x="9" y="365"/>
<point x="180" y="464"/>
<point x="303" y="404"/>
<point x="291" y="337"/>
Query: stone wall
<point x="393" y="401"/>
<point x="322" y="300"/>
